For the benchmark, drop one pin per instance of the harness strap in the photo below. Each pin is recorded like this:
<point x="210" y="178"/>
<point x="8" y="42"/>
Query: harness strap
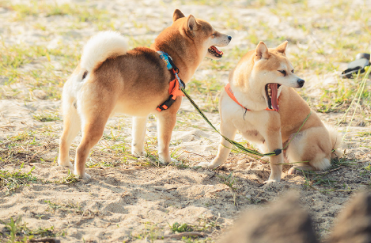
<point x="175" y="85"/>
<point x="229" y="91"/>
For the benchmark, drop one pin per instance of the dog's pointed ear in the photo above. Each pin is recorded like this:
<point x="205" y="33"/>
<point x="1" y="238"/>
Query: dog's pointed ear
<point x="192" y="24"/>
<point x="177" y="15"/>
<point x="282" y="48"/>
<point x="261" y="51"/>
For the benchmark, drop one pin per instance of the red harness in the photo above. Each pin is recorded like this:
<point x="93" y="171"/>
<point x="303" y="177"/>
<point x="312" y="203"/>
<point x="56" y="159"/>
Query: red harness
<point x="231" y="95"/>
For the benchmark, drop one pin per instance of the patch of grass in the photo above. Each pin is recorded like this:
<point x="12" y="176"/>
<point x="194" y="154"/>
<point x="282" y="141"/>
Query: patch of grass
<point x="204" y="225"/>
<point x="14" y="180"/>
<point x="22" y="136"/>
<point x="192" y="240"/>
<point x="151" y="232"/>
<point x="52" y="206"/>
<point x="18" y="232"/>
<point x="179" y="228"/>
<point x="69" y="207"/>
<point x="209" y="89"/>
<point x="366" y="171"/>
<point x="138" y="42"/>
<point x="37" y="8"/>
<point x="46" y="117"/>
<point x="313" y="178"/>
<point x="230" y="181"/>
<point x="364" y="134"/>
<point x="337" y="98"/>
<point x="208" y="224"/>
<point x="69" y="179"/>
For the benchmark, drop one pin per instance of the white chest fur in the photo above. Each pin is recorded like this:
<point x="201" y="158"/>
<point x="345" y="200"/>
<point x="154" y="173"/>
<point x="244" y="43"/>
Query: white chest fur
<point x="251" y="124"/>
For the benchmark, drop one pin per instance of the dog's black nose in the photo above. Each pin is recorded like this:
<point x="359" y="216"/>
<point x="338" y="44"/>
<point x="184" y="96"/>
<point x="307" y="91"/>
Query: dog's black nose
<point x="301" y="82"/>
<point x="229" y="37"/>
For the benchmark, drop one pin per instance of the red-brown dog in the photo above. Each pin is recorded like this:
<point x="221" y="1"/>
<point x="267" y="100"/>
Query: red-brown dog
<point x="110" y="78"/>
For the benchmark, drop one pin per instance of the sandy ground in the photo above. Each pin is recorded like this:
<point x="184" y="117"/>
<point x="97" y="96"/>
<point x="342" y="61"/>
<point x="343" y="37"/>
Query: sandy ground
<point x="128" y="199"/>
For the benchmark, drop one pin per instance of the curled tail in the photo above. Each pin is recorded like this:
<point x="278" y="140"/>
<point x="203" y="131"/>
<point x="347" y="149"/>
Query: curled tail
<point x="104" y="45"/>
<point x="336" y="141"/>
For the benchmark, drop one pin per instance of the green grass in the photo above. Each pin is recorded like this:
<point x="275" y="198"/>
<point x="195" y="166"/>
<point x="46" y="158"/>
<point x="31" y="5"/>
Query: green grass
<point x="69" y="179"/>
<point x="14" y="57"/>
<point x="69" y="207"/>
<point x="364" y="134"/>
<point x="179" y="228"/>
<point x="209" y="90"/>
<point x="46" y="117"/>
<point x="18" y="232"/>
<point x="36" y="8"/>
<point x="10" y="181"/>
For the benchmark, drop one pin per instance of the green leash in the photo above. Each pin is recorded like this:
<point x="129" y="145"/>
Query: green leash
<point x="240" y="146"/>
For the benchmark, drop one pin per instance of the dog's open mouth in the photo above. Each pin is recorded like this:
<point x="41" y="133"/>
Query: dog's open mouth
<point x="271" y="90"/>
<point x="215" y="51"/>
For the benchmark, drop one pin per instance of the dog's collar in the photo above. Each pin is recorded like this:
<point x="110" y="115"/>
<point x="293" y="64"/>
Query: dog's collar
<point x="231" y="95"/>
<point x="175" y="85"/>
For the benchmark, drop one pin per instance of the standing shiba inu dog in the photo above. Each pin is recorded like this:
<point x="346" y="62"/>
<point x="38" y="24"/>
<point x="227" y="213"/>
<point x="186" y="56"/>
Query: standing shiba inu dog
<point x="110" y="78"/>
<point x="260" y="103"/>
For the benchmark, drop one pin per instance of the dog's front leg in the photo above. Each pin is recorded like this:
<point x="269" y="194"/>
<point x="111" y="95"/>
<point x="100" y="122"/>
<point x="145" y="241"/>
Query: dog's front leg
<point x="274" y="141"/>
<point x="165" y="124"/>
<point x="138" y="134"/>
<point x="228" y="130"/>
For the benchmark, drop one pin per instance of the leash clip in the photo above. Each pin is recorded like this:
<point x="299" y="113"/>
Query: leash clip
<point x="277" y="151"/>
<point x="181" y="83"/>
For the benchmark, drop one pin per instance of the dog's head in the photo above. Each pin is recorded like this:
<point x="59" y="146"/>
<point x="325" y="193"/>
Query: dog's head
<point x="272" y="69"/>
<point x="202" y="34"/>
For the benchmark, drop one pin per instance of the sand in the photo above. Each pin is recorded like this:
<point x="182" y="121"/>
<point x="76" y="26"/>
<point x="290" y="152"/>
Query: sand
<point x="130" y="200"/>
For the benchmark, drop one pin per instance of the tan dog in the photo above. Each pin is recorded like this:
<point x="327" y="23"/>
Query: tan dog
<point x="110" y="78"/>
<point x="265" y="78"/>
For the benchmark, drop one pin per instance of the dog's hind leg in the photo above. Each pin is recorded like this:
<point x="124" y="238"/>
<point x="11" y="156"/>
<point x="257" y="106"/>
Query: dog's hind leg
<point x="71" y="127"/>
<point x="310" y="150"/>
<point x="92" y="132"/>
<point x="138" y="134"/>
<point x="95" y="107"/>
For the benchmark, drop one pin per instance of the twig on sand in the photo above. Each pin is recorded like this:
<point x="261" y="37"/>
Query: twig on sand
<point x="181" y="235"/>
<point x="45" y="240"/>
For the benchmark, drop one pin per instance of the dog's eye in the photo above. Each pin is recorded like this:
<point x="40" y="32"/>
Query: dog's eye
<point x="282" y="71"/>
<point x="213" y="35"/>
<point x="292" y="71"/>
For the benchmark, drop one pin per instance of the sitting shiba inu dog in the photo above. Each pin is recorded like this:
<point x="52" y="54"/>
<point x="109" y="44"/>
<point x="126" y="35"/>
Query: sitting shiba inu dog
<point x="260" y="102"/>
<point x="110" y="78"/>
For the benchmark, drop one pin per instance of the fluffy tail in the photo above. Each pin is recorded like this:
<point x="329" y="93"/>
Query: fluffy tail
<point x="104" y="45"/>
<point x="336" y="141"/>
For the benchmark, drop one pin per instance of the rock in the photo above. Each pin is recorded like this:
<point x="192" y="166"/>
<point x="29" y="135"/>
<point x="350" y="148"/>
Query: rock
<point x="40" y="94"/>
<point x="354" y="222"/>
<point x="283" y="221"/>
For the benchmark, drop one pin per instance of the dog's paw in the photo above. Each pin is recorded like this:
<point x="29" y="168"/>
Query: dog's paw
<point x="207" y="165"/>
<point x="174" y="161"/>
<point x="271" y="181"/>
<point x="65" y="164"/>
<point x="138" y="153"/>
<point x="168" y="161"/>
<point x="295" y="171"/>
<point x="85" y="176"/>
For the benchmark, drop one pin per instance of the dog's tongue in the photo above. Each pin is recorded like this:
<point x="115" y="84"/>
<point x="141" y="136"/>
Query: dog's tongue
<point x="216" y="50"/>
<point x="274" y="98"/>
